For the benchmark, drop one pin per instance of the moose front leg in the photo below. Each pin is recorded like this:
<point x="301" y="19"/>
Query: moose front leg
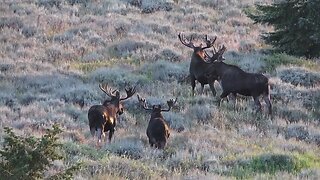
<point x="193" y="83"/>
<point x="213" y="90"/>
<point x="201" y="90"/>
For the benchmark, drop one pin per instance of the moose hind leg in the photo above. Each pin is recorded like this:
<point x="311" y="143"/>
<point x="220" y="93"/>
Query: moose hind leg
<point x="266" y="99"/>
<point x="222" y="96"/>
<point x="92" y="131"/>
<point x="233" y="98"/>
<point x="111" y="132"/>
<point x="257" y="103"/>
<point x="99" y="134"/>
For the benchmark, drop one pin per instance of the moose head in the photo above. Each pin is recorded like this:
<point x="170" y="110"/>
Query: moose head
<point x="158" y="130"/>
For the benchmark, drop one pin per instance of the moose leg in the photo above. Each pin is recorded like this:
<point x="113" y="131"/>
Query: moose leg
<point x="223" y="95"/>
<point x="233" y="97"/>
<point x="99" y="134"/>
<point x="201" y="90"/>
<point x="266" y="99"/>
<point x="257" y="103"/>
<point x="151" y="143"/>
<point x="92" y="131"/>
<point x="213" y="90"/>
<point x="193" y="83"/>
<point x="111" y="134"/>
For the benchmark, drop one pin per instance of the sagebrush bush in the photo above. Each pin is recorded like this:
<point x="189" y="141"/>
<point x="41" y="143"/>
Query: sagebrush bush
<point x="150" y="6"/>
<point x="298" y="132"/>
<point x="29" y="31"/>
<point x="49" y="3"/>
<point x="128" y="47"/>
<point x="11" y="22"/>
<point x="299" y="76"/>
<point x="130" y="147"/>
<point x="200" y="113"/>
<point x="176" y="121"/>
<point x="293" y="115"/>
<point x="118" y="77"/>
<point x="165" y="71"/>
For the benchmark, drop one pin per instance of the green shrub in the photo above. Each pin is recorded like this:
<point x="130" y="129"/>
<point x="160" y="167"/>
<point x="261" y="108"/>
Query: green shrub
<point x="272" y="163"/>
<point x="29" y="157"/>
<point x="276" y="60"/>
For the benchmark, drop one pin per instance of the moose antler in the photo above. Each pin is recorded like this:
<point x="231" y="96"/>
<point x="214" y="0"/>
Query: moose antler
<point x="209" y="42"/>
<point x="143" y="103"/>
<point x="216" y="55"/>
<point x="183" y="41"/>
<point x="130" y="92"/>
<point x="106" y="89"/>
<point x="170" y="103"/>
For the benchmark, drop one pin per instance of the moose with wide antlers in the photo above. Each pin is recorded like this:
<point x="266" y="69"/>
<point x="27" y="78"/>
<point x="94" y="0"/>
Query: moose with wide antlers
<point x="103" y="118"/>
<point x="158" y="130"/>
<point x="198" y="63"/>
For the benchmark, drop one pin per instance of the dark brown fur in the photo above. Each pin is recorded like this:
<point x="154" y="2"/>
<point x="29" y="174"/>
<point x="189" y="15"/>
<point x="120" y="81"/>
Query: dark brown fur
<point x="234" y="80"/>
<point x="198" y="64"/>
<point x="103" y="118"/>
<point x="158" y="130"/>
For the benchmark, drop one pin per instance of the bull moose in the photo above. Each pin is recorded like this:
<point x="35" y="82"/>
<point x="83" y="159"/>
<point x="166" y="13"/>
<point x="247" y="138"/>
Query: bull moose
<point x="158" y="130"/>
<point x="198" y="64"/>
<point x="103" y="118"/>
<point x="234" y="80"/>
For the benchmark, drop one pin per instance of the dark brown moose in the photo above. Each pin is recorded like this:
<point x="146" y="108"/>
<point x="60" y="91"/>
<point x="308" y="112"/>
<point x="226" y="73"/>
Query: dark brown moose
<point x="198" y="64"/>
<point x="158" y="130"/>
<point x="234" y="80"/>
<point x="103" y="118"/>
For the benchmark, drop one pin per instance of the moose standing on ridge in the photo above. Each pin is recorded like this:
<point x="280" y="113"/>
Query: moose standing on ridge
<point x="234" y="80"/>
<point x="103" y="118"/>
<point x="198" y="63"/>
<point x="158" y="130"/>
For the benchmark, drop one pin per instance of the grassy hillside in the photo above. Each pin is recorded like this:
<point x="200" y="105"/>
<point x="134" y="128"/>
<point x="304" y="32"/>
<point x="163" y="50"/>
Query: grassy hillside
<point x="54" y="53"/>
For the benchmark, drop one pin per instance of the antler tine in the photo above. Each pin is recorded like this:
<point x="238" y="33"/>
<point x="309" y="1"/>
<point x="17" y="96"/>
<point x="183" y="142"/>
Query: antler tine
<point x="221" y="52"/>
<point x="208" y="42"/>
<point x="170" y="103"/>
<point x="130" y="91"/>
<point x="106" y="89"/>
<point x="183" y="41"/>
<point x="143" y="102"/>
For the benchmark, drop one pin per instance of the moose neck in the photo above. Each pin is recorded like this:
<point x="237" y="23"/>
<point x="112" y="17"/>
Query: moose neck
<point x="113" y="101"/>
<point x="197" y="64"/>
<point x="156" y="114"/>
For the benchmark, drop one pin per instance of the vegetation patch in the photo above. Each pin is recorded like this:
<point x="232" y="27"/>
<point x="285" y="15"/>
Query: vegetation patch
<point x="272" y="163"/>
<point x="276" y="60"/>
<point x="125" y="168"/>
